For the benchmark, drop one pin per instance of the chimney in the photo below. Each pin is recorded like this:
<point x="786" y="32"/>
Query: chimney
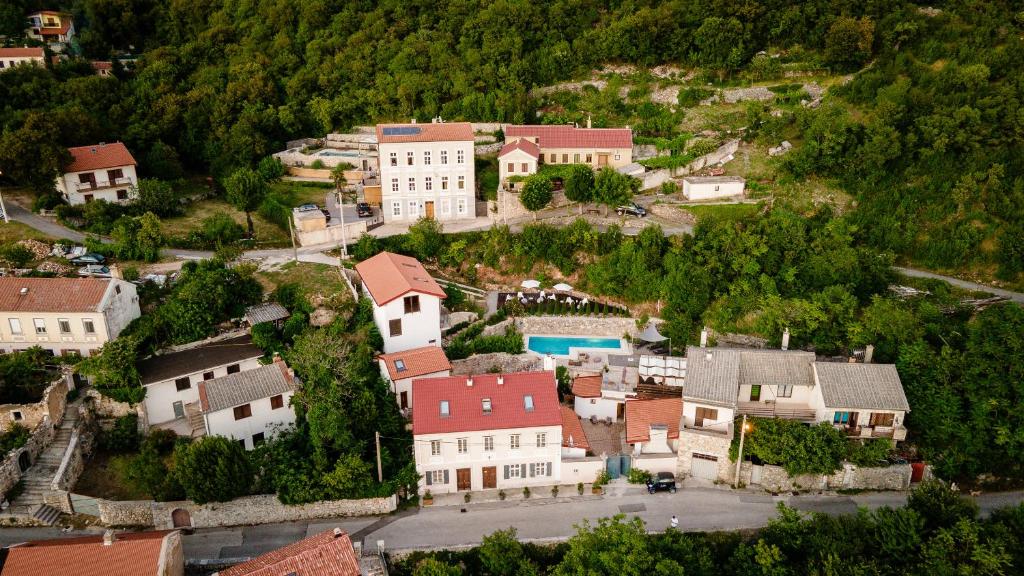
<point x="785" y="339"/>
<point x="469" y="382"/>
<point x="109" y="537"/>
<point x="24" y="291"/>
<point x="549" y="363"/>
<point x="704" y="337"/>
<point x="588" y="120"/>
<point x="115" y="272"/>
<point x="277" y="358"/>
<point x="501" y="379"/>
<point x="707" y="356"/>
<point x="413" y="121"/>
<point x="869" y="353"/>
<point x="338" y="532"/>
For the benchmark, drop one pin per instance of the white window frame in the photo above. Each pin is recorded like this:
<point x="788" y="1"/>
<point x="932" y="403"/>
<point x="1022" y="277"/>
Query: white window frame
<point x="444" y="156"/>
<point x="15" y="324"/>
<point x="514" y="441"/>
<point x="396" y="208"/>
<point x="436" y="476"/>
<point x="463" y="445"/>
<point x="542" y="439"/>
<point x="460" y="156"/>
<point x="428" y="183"/>
<point x="88" y="326"/>
<point x="394" y="184"/>
<point x="462" y="182"/>
<point x="426" y="157"/>
<point x="412" y="184"/>
<point x="61" y="323"/>
<point x="444" y="182"/>
<point x="410" y="158"/>
<point x="462" y="206"/>
<point x="515" y="471"/>
<point x="394" y="158"/>
<point x="446" y="206"/>
<point x="435" y="447"/>
<point x="488" y="443"/>
<point x="540" y="468"/>
<point x="40" y="325"/>
<point x="414" y="208"/>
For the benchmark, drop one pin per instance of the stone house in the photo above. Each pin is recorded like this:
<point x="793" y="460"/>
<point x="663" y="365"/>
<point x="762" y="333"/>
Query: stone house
<point x="400" y="368"/>
<point x="406" y="301"/>
<point x="99" y="172"/>
<point x="249" y="406"/>
<point x="595" y="147"/>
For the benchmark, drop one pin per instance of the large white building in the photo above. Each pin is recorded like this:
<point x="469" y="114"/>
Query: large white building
<point x="172" y="379"/>
<point x="101" y="171"/>
<point x="64" y="315"/>
<point x="487" y="431"/>
<point x="11" y="57"/>
<point x="427" y="170"/>
<point x="406" y="301"/>
<point x="249" y="406"/>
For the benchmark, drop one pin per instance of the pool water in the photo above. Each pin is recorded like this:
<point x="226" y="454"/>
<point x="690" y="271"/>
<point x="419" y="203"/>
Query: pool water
<point x="560" y="345"/>
<point x="336" y="153"/>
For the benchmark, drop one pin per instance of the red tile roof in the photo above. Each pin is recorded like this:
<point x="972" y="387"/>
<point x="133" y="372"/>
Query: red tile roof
<point x="641" y="414"/>
<point x="417" y="362"/>
<point x="432" y="132"/>
<point x="522" y="144"/>
<point x="84" y="158"/>
<point x="572" y="428"/>
<point x="388" y="276"/>
<point x="21" y="52"/>
<point x="321" y="555"/>
<point x="572" y="137"/>
<point x="52" y="294"/>
<point x="465" y="405"/>
<point x="131" y="554"/>
<point x="101" y="64"/>
<point x="587" y="386"/>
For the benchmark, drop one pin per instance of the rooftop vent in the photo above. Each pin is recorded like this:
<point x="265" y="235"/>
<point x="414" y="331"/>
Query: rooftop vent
<point x="109" y="537"/>
<point x="501" y="379"/>
<point x="338" y="532"/>
<point x="24" y="291"/>
<point x="469" y="382"/>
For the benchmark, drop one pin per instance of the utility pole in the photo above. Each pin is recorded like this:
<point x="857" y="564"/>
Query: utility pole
<point x="291" y="233"/>
<point x="341" y="213"/>
<point x="380" y="471"/>
<point x="739" y="459"/>
<point x="3" y="208"/>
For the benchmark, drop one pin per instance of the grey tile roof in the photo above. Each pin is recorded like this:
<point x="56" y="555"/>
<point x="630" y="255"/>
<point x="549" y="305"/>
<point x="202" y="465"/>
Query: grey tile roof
<point x="712" y="375"/>
<point x="266" y="312"/>
<point x="242" y="387"/>
<point x="201" y="358"/>
<point x="867" y="386"/>
<point x="775" y="367"/>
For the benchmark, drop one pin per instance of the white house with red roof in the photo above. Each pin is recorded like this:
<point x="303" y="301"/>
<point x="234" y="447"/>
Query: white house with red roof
<point x="487" y="431"/>
<point x="406" y="301"/>
<point x="427" y="170"/>
<point x="57" y="29"/>
<point x="99" y="172"/>
<point x="11" y="57"/>
<point x="518" y="158"/>
<point x="595" y="147"/>
<point x="652" y="426"/>
<point x="400" y="368"/>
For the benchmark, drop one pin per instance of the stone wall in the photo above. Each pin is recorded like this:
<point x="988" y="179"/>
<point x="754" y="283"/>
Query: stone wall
<point x="709" y="443"/>
<point x="107" y="408"/>
<point x="79" y="448"/>
<point x="576" y="326"/>
<point x="52" y="405"/>
<point x="509" y="205"/>
<point x="10" y="471"/>
<point x="496" y="362"/>
<point x="849" y="477"/>
<point x="126" y="512"/>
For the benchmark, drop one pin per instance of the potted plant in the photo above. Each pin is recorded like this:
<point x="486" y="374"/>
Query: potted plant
<point x="526" y="492"/>
<point x="595" y="489"/>
<point x="579" y="488"/>
<point x="501" y="494"/>
<point x="428" y="498"/>
<point x="467" y="497"/>
<point x="554" y="491"/>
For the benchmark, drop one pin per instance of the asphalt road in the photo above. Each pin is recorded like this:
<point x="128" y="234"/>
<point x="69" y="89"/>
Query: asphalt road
<point x="1015" y="296"/>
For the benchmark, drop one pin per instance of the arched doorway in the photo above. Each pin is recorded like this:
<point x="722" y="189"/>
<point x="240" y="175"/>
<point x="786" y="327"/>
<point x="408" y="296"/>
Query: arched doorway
<point x="181" y="518"/>
<point x="24" y="460"/>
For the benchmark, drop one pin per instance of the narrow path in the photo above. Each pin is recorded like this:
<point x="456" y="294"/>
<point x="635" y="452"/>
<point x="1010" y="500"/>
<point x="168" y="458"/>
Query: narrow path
<point x="39" y="476"/>
<point x="1015" y="296"/>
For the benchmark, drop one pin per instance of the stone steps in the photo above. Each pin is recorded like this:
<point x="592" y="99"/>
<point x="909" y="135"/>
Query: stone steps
<point x="46" y="514"/>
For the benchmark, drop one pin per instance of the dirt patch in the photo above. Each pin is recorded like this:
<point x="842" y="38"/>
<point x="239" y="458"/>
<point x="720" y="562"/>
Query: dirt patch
<point x="673" y="213"/>
<point x="604" y="439"/>
<point x="101" y="478"/>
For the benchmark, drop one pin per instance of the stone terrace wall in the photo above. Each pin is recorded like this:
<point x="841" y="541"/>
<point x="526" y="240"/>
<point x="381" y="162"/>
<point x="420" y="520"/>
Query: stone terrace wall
<point x="576" y="326"/>
<point x="10" y="472"/>
<point x="52" y="405"/>
<point x="775" y="478"/>
<point x="505" y="362"/>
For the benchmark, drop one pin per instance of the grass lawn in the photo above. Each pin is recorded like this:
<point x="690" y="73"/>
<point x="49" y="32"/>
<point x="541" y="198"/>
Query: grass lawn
<point x="102" y="478"/>
<point x="314" y="278"/>
<point x="14" y="231"/>
<point x="725" y="211"/>
<point x="268" y="235"/>
<point x="298" y="193"/>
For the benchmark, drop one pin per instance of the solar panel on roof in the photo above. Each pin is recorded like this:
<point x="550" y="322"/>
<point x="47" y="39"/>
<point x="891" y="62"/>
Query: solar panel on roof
<point x="401" y="130"/>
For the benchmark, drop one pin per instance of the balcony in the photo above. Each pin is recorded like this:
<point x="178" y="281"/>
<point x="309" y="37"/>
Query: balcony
<point x="898" y="433"/>
<point x="103" y="185"/>
<point x="721" y="430"/>
<point x="796" y="412"/>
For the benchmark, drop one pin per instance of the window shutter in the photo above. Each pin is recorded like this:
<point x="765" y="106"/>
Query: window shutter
<point x="445" y="476"/>
<point x="533" y="469"/>
<point x="428" y="475"/>
<point x="549" y="468"/>
<point x="506" y="471"/>
<point x="522" y="470"/>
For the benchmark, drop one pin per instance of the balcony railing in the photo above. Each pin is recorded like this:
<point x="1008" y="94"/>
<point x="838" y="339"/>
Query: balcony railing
<point x="102" y="185"/>
<point x="777" y="410"/>
<point x="719" y="429"/>
<point x="895" y="433"/>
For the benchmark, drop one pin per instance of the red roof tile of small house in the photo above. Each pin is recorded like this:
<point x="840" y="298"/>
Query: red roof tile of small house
<point x="427" y="132"/>
<point x="98" y="156"/>
<point x="130" y="554"/>
<point x="642" y="414"/>
<point x="52" y="294"/>
<point x="572" y="428"/>
<point x="21" y="52"/>
<point x="416" y="362"/>
<point x="465" y="402"/>
<point x="587" y="386"/>
<point x="324" y="554"/>
<point x="521" y="144"/>
<point x="572" y="137"/>
<point x="388" y="276"/>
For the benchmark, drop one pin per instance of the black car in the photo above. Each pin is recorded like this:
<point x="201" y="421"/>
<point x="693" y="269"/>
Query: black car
<point x="633" y="209"/>
<point x="363" y="210"/>
<point x="662" y="481"/>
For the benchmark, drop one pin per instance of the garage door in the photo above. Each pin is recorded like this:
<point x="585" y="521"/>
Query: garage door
<point x="704" y="466"/>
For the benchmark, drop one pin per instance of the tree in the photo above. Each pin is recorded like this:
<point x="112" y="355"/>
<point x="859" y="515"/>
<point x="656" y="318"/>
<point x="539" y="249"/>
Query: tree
<point x="158" y="197"/>
<point x="162" y="162"/>
<point x="717" y="38"/>
<point x="887" y="326"/>
<point x="579" y="185"/>
<point x="213" y="469"/>
<point x="246" y="190"/>
<point x="113" y="370"/>
<point x="434" y="567"/>
<point x="501" y="554"/>
<point x="848" y="42"/>
<point x="149" y="238"/>
<point x="536" y="193"/>
<point x="271" y="169"/>
<point x="425" y="240"/>
<point x="31" y="155"/>
<point x="614" y="547"/>
<point x="613" y="189"/>
<point x="939" y="506"/>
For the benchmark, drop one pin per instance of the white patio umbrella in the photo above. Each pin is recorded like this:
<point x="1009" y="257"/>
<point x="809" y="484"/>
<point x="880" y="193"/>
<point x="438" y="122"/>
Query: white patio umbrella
<point x="563" y="287"/>
<point x="585" y="301"/>
<point x="530" y="284"/>
<point x="569" y="300"/>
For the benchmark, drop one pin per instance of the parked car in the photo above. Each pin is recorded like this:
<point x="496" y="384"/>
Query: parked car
<point x="308" y="208"/>
<point x="662" y="481"/>
<point x="94" y="270"/>
<point x="633" y="209"/>
<point x="89" y="258"/>
<point x="363" y="210"/>
<point x="327" y="213"/>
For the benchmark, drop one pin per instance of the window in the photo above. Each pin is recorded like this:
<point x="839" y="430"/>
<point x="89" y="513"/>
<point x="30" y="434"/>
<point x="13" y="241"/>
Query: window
<point x="485" y="404"/>
<point x="399" y="365"/>
<point x="445" y="409"/>
<point x="590" y="158"/>
<point x="16" y="415"/>
<point x="618" y="157"/>
<point x="117" y="289"/>
<point x="437" y="477"/>
<point x="716" y="188"/>
<point x="208" y="375"/>
<point x="396" y="207"/>
<point x="428" y="183"/>
<point x="511" y="167"/>
<point x="258" y="438"/>
<point x="426" y="158"/>
<point x="755" y="393"/>
<point x="462" y="182"/>
<point x="88" y="326"/>
<point x="444" y="182"/>
<point x="234" y="369"/>
<point x="122" y="194"/>
<point x="460" y="157"/>
<point x="841" y="418"/>
<point x="411" y="303"/>
<point x="395" y="327"/>
<point x="705" y="416"/>
<point x="65" y="326"/>
<point x="552" y="158"/>
<point x="394" y="159"/>
<point x="413" y="209"/>
<point x="394" y="184"/>
<point x="513" y="471"/>
<point x="241" y="443"/>
<point x="435" y="447"/>
<point x="488" y="443"/>
<point x="462" y="205"/>
<point x="576" y="158"/>
<point x="409" y="158"/>
<point x="412" y="184"/>
<point x="446" y="206"/>
<point x="528" y="403"/>
<point x="542" y="439"/>
<point x="785" y="390"/>
<point x="565" y="158"/>
<point x="16" y="325"/>
<point x="524" y="167"/>
<point x="882" y="419"/>
<point x="540" y="469"/>
<point x="463" y="445"/>
<point x="243" y="411"/>
<point x="40" y="325"/>
<point x="444" y="156"/>
<point x="276" y="402"/>
<point x="182" y="384"/>
<point x="513" y="441"/>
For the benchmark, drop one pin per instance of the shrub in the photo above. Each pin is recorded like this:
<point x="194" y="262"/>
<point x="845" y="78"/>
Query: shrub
<point x="123" y="437"/>
<point x="638" y="476"/>
<point x="579" y="488"/>
<point x="501" y="495"/>
<point x="317" y="164"/>
<point x="526" y="491"/>
<point x="690" y="97"/>
<point x="221" y="229"/>
<point x="16" y="255"/>
<point x="14" y="437"/>
<point x="213" y="469"/>
<point x="869" y="453"/>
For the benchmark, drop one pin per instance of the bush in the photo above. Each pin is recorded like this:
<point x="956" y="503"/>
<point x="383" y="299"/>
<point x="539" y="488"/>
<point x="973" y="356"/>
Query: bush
<point x="797" y="448"/>
<point x="317" y="164"/>
<point x="940" y="506"/>
<point x="870" y="453"/>
<point x="221" y="229"/>
<point x="47" y="202"/>
<point x="690" y="97"/>
<point x="213" y="469"/>
<point x="16" y="255"/>
<point x="366" y="247"/>
<point x="638" y="476"/>
<point x="14" y="437"/>
<point x="123" y="437"/>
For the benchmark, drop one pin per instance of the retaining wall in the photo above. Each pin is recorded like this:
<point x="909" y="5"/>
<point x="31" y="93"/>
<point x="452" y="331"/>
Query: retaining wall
<point x="10" y="471"/>
<point x="505" y="362"/>
<point x="105" y="407"/>
<point x="52" y="405"/>
<point x="849" y="477"/>
<point x="576" y="326"/>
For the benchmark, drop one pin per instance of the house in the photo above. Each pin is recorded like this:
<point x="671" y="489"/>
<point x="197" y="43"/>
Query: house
<point x="64" y="315"/>
<point x="329" y="553"/>
<point x="487" y="431"/>
<point x="590" y="401"/>
<point x="249" y="406"/>
<point x="122" y="554"/>
<point x="652" y="426"/>
<point x="400" y="368"/>
<point x="266" y="312"/>
<point x="427" y="170"/>
<point x="712" y="187"/>
<point x="11" y="57"/>
<point x="103" y="68"/>
<point x="172" y="379"/>
<point x="518" y="158"/>
<point x="57" y="29"/>
<point x="864" y="400"/>
<point x="595" y="147"/>
<point x="406" y="301"/>
<point x="574" y="439"/>
<point x="99" y="172"/>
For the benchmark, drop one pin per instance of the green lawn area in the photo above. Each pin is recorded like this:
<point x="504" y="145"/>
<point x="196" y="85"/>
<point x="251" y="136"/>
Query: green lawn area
<point x="314" y="278"/>
<point x="725" y="211"/>
<point x="268" y="235"/>
<point x="14" y="231"/>
<point x="298" y="193"/>
<point x="103" y="478"/>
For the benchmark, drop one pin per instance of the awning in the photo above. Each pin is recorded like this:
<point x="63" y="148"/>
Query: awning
<point x="530" y="284"/>
<point x="651" y="334"/>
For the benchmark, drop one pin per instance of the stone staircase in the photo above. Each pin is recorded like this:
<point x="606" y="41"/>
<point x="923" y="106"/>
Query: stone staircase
<point x="194" y="414"/>
<point x="39" y="477"/>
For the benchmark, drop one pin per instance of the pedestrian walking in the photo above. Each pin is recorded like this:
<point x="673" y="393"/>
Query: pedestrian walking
<point x="675" y="522"/>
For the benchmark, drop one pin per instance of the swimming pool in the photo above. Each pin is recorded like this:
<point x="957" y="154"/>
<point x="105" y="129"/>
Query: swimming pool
<point x="336" y="153"/>
<point x="560" y="345"/>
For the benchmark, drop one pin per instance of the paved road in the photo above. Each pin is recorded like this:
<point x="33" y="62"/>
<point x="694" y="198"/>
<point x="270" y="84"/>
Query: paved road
<point x="44" y="225"/>
<point x="1015" y="296"/>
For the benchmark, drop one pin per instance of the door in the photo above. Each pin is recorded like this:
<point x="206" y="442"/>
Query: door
<point x="756" y="471"/>
<point x="602" y="160"/>
<point x="462" y="479"/>
<point x="429" y="209"/>
<point x="708" y="415"/>
<point x="179" y="410"/>
<point x="704" y="466"/>
<point x="853" y="420"/>
<point x="755" y="393"/>
<point x="181" y="518"/>
<point x="404" y="400"/>
<point x="490" y="477"/>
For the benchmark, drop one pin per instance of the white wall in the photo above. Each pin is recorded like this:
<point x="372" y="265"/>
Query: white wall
<point x="517" y="158"/>
<point x="419" y="329"/>
<point x="600" y="407"/>
<point x="801" y="395"/>
<point x="120" y="306"/>
<point x="710" y="190"/>
<point x="722" y="421"/>
<point x="477" y="458"/>
<point x="405" y="384"/>
<point x="263" y="419"/>
<point x="68" y="185"/>
<point x="419" y="172"/>
<point x="161" y="396"/>
<point x="9" y="62"/>
<point x="584" y="470"/>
